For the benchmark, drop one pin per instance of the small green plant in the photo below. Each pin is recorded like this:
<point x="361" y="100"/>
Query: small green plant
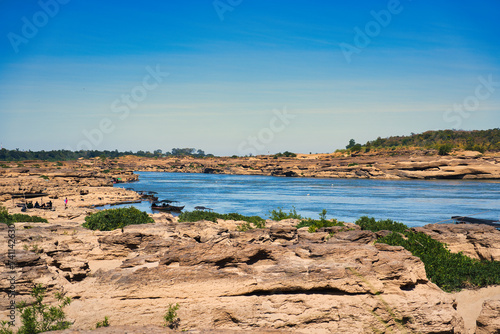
<point x="279" y="214"/>
<point x="45" y="177"/>
<point x="36" y="165"/>
<point x="314" y="225"/>
<point x="59" y="163"/>
<point x="6" y="327"/>
<point x="171" y="319"/>
<point x="39" y="317"/>
<point x="34" y="248"/>
<point x="112" y="219"/>
<point x="197" y="215"/>
<point x="104" y="323"/>
<point x="352" y="164"/>
<point x="4" y="166"/>
<point x="106" y="171"/>
<point x="244" y="227"/>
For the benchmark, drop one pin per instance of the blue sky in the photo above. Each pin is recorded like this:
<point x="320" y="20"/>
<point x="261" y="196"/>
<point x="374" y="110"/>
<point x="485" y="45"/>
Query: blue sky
<point x="240" y="77"/>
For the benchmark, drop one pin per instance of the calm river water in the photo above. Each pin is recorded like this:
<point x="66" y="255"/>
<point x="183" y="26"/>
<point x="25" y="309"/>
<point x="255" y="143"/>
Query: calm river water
<point x="414" y="203"/>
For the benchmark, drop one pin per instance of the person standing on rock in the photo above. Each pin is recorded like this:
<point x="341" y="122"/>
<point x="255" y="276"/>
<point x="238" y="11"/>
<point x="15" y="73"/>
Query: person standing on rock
<point x="66" y="203"/>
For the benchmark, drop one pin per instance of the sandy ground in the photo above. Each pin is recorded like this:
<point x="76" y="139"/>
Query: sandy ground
<point x="470" y="303"/>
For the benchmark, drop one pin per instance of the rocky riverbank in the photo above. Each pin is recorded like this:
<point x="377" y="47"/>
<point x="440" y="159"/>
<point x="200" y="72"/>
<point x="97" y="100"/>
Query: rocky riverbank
<point x="415" y="164"/>
<point x="277" y="279"/>
<point x="402" y="164"/>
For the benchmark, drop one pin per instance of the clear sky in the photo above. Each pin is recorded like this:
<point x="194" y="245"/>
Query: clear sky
<point x="241" y="76"/>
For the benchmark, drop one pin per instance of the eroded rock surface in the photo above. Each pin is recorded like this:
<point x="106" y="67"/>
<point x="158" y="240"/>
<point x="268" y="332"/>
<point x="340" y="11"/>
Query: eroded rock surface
<point x="489" y="320"/>
<point x="278" y="278"/>
<point x="477" y="241"/>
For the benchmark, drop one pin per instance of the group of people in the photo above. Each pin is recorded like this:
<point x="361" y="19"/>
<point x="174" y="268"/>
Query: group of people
<point x="30" y="205"/>
<point x="48" y="205"/>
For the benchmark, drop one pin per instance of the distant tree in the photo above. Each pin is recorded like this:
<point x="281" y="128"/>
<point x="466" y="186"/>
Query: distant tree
<point x="445" y="149"/>
<point x="285" y="154"/>
<point x="356" y="148"/>
<point x="352" y="142"/>
<point x="183" y="151"/>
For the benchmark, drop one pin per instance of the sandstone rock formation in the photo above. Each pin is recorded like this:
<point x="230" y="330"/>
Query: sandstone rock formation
<point x="477" y="241"/>
<point x="276" y="278"/>
<point x="417" y="164"/>
<point x="489" y="321"/>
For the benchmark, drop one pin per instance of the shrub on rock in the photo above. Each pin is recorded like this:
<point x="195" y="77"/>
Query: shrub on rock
<point x="112" y="219"/>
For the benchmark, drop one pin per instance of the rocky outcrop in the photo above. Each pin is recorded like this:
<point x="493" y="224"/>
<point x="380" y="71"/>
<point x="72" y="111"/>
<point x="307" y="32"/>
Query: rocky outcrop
<point x="489" y="321"/>
<point x="163" y="330"/>
<point x="477" y="241"/>
<point x="416" y="164"/>
<point x="278" y="279"/>
<point x="77" y="177"/>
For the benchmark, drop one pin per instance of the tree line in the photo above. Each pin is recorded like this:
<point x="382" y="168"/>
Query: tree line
<point x="65" y="155"/>
<point x="442" y="140"/>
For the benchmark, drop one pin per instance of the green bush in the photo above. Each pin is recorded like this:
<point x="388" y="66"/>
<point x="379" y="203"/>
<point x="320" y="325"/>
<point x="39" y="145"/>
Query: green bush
<point x="352" y="164"/>
<point x="19" y="217"/>
<point x="285" y="154"/>
<point x="4" y="216"/>
<point x="279" y="214"/>
<point x="8" y="219"/>
<point x="356" y="148"/>
<point x="112" y="219"/>
<point x="197" y="215"/>
<point x="372" y="225"/>
<point x="445" y="149"/>
<point x="450" y="271"/>
<point x="479" y="148"/>
<point x="39" y="317"/>
<point x="170" y="317"/>
<point x="314" y="225"/>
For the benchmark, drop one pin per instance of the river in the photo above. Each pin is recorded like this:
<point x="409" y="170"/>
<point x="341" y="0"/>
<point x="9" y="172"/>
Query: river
<point x="412" y="202"/>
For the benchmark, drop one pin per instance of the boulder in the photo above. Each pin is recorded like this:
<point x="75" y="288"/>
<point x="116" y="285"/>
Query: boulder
<point x="489" y="320"/>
